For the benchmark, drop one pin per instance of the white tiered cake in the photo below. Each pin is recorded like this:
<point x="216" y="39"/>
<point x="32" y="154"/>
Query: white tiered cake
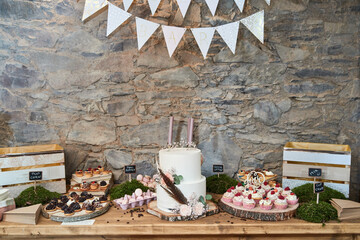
<point x="187" y="163"/>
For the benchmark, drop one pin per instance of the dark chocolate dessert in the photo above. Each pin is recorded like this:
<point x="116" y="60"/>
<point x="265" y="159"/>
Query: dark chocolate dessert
<point x="90" y="208"/>
<point x="103" y="183"/>
<point x="82" y="199"/>
<point x="84" y="194"/>
<point x="69" y="211"/>
<point x="103" y="198"/>
<point x="73" y="195"/>
<point x="51" y="207"/>
<point x="64" y="199"/>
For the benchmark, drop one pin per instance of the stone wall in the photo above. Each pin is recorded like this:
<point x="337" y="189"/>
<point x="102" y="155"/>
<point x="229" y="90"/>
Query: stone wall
<point x="62" y="81"/>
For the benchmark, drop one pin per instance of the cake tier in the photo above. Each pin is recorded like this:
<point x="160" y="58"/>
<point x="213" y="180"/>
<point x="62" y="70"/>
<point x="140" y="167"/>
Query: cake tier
<point x="165" y="202"/>
<point x="184" y="161"/>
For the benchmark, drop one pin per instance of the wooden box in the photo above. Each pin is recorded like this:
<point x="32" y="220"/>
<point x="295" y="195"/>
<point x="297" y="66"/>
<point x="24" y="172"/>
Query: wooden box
<point x="16" y="163"/>
<point x="334" y="161"/>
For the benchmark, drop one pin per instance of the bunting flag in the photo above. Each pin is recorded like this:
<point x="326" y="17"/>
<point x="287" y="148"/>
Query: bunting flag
<point x="153" y="5"/>
<point x="212" y="4"/>
<point x="172" y="36"/>
<point x="229" y="33"/>
<point x="240" y="4"/>
<point x="203" y="37"/>
<point x="93" y="6"/>
<point x="116" y="17"/>
<point x="255" y="23"/>
<point x="127" y="4"/>
<point x="144" y="30"/>
<point x="268" y="2"/>
<point x="183" y="5"/>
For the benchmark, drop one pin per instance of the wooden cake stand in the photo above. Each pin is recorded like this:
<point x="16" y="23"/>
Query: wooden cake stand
<point x="259" y="214"/>
<point x="172" y="217"/>
<point x="59" y="216"/>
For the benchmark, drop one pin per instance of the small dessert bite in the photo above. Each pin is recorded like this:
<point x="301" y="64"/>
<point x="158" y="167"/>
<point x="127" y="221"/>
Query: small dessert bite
<point x="100" y="168"/>
<point x="292" y="199"/>
<point x="89" y="196"/>
<point x="76" y="206"/>
<point x="278" y="188"/>
<point x="59" y="205"/>
<point x="73" y="195"/>
<point x="64" y="199"/>
<point x="94" y="185"/>
<point x="286" y="192"/>
<point x="266" y="186"/>
<point x="90" y="208"/>
<point x="82" y="199"/>
<point x="85" y="186"/>
<point x="103" y="199"/>
<point x="248" y="202"/>
<point x="228" y="196"/>
<point x="103" y="185"/>
<point x="79" y="173"/>
<point x="64" y="207"/>
<point x="51" y="207"/>
<point x="272" y="196"/>
<point x="69" y="211"/>
<point x="88" y="173"/>
<point x="238" y="199"/>
<point x="266" y="203"/>
<point x="96" y="172"/>
<point x="257" y="196"/>
<point x="98" y="205"/>
<point x="281" y="203"/>
<point x="247" y="191"/>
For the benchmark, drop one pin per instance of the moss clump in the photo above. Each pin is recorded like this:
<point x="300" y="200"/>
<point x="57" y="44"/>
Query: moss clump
<point x="219" y="185"/>
<point x="306" y="193"/>
<point x="126" y="188"/>
<point x="318" y="213"/>
<point x="30" y="196"/>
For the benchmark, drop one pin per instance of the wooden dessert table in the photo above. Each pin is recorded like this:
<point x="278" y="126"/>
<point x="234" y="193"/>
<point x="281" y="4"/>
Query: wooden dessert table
<point x="120" y="224"/>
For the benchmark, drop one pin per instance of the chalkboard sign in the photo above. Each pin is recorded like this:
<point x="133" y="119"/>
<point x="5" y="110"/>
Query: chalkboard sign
<point x="129" y="169"/>
<point x="35" y="176"/>
<point x="318" y="187"/>
<point x="314" y="172"/>
<point x="218" y="168"/>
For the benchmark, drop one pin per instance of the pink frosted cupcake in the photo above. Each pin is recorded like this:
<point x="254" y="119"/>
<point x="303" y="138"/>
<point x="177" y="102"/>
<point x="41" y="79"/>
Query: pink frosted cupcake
<point x="228" y="196"/>
<point x="257" y="196"/>
<point x="266" y="187"/>
<point x="272" y="196"/>
<point x="278" y="188"/>
<point x="292" y="199"/>
<point x="266" y="204"/>
<point x="249" y="203"/>
<point x="238" y="199"/>
<point x="262" y="191"/>
<point x="240" y="188"/>
<point x="247" y="191"/>
<point x="286" y="192"/>
<point x="281" y="203"/>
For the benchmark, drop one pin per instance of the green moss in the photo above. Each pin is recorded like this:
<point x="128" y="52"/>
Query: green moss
<point x="126" y="188"/>
<point x="30" y="197"/>
<point x="306" y="193"/>
<point x="219" y="185"/>
<point x="318" y="213"/>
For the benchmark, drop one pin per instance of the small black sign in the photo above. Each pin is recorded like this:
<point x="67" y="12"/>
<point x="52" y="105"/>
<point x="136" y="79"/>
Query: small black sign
<point x="34" y="176"/>
<point x="130" y="169"/>
<point x="218" y="168"/>
<point x="314" y="172"/>
<point x="318" y="187"/>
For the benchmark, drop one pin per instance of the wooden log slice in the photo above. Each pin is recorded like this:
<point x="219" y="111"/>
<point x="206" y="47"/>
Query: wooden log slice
<point x="172" y="217"/>
<point x="259" y="214"/>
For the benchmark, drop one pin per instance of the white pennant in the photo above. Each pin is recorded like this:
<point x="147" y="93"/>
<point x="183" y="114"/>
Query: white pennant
<point x="153" y="5"/>
<point x="255" y="23"/>
<point x="240" y="4"/>
<point x="212" y="4"/>
<point x="116" y="17"/>
<point x="93" y="6"/>
<point x="144" y="30"/>
<point x="172" y="36"/>
<point x="183" y="5"/>
<point x="229" y="33"/>
<point x="203" y="37"/>
<point x="268" y="2"/>
<point x="127" y="4"/>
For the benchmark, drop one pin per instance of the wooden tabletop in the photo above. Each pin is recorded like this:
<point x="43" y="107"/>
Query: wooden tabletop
<point x="141" y="225"/>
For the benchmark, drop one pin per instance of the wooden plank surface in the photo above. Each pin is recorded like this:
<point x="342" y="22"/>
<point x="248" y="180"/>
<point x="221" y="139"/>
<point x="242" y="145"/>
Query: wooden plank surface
<point x="314" y="157"/>
<point x="120" y="223"/>
<point x="22" y="176"/>
<point x="330" y="173"/>
<point x="23" y="161"/>
<point x="30" y="149"/>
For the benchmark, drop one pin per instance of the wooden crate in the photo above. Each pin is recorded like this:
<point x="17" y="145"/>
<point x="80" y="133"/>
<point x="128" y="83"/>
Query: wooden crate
<point x="334" y="161"/>
<point x="17" y="162"/>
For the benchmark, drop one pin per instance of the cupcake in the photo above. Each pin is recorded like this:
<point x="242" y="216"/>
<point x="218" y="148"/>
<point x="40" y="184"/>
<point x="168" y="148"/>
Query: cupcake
<point x="248" y="202"/>
<point x="278" y="188"/>
<point x="79" y="173"/>
<point x="281" y="203"/>
<point x="286" y="192"/>
<point x="94" y="185"/>
<point x="96" y="172"/>
<point x="228" y="196"/>
<point x="88" y="173"/>
<point x="265" y="203"/>
<point x="266" y="186"/>
<point x="247" y="191"/>
<point x="257" y="196"/>
<point x="272" y="196"/>
<point x="292" y="199"/>
<point x="238" y="199"/>
<point x="261" y="190"/>
<point x="240" y="188"/>
<point x="103" y="185"/>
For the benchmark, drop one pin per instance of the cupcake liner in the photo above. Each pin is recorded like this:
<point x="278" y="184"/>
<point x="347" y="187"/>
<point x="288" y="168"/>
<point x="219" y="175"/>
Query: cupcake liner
<point x="257" y="200"/>
<point x="237" y="203"/>
<point x="248" y="206"/>
<point x="292" y="202"/>
<point x="229" y="200"/>
<point x="266" y="207"/>
<point x="281" y="206"/>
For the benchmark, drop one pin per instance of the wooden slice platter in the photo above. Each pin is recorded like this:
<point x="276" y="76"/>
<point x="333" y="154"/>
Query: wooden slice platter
<point x="172" y="217"/>
<point x="259" y="214"/>
<point x="59" y="216"/>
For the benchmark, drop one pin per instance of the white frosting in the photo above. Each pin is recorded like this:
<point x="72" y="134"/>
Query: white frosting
<point x="265" y="202"/>
<point x="249" y="201"/>
<point x="291" y="197"/>
<point x="229" y="195"/>
<point x="281" y="201"/>
<point x="185" y="162"/>
<point x="256" y="195"/>
<point x="238" y="199"/>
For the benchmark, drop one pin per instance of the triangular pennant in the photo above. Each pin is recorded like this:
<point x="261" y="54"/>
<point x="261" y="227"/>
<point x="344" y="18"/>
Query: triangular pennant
<point x="183" y="5"/>
<point x="172" y="36"/>
<point x="229" y="33"/>
<point x="203" y="37"/>
<point x="153" y="5"/>
<point x="240" y="4"/>
<point x="212" y="4"/>
<point x="144" y="30"/>
<point x="127" y="4"/>
<point x="93" y="6"/>
<point x="255" y="23"/>
<point x="116" y="16"/>
<point x="268" y="2"/>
